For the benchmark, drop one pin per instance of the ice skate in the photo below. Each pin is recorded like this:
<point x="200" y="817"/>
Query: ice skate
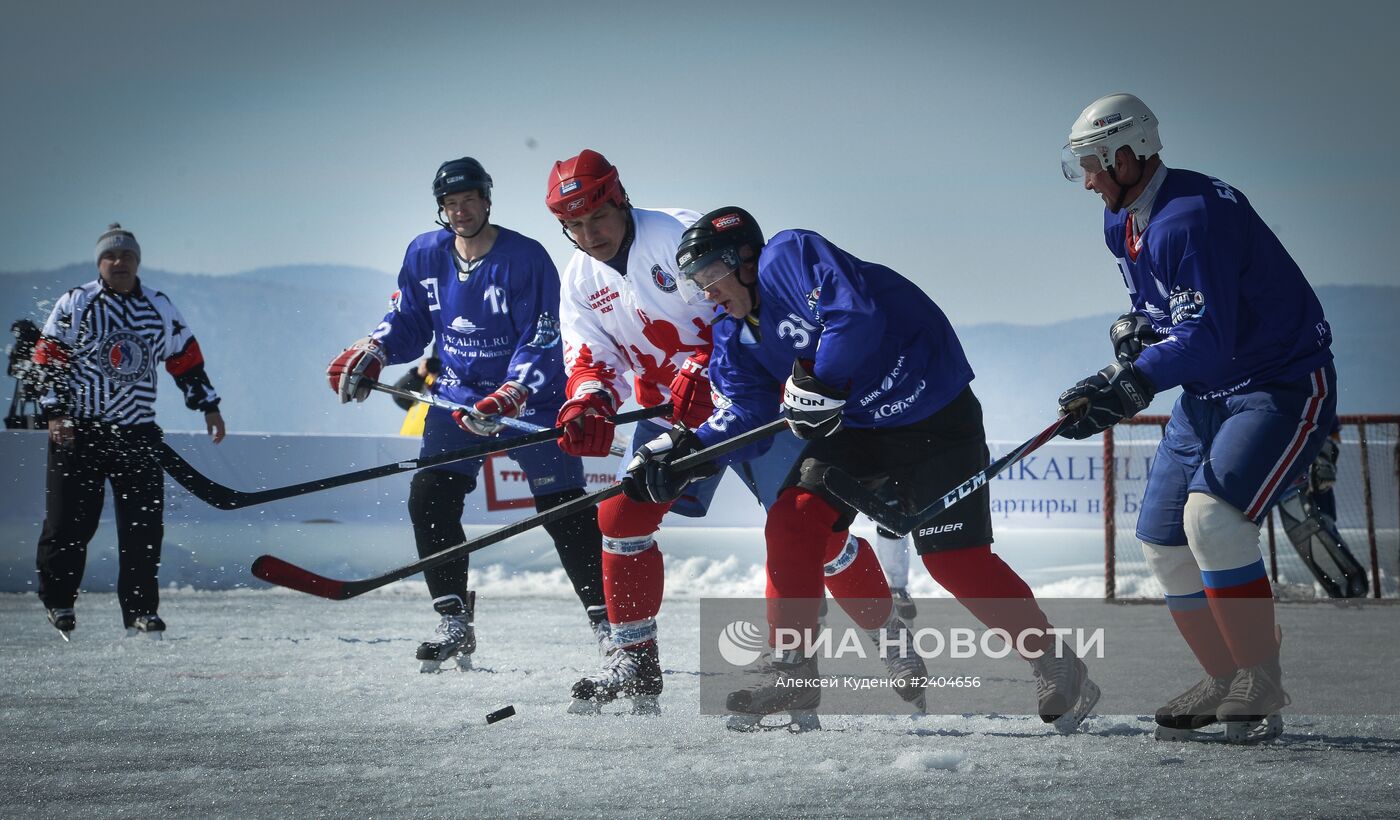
<point x="454" y="638"/>
<point x="149" y="625"/>
<point x="908" y="673"/>
<point x="64" y="620"/>
<point x="904" y="605"/>
<point x="1186" y="714"/>
<point x="632" y="672"/>
<point x="602" y="632"/>
<point x="788" y="684"/>
<point x="1063" y="690"/>
<point x="1250" y="710"/>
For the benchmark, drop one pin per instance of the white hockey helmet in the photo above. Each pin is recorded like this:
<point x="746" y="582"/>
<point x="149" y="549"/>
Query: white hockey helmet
<point x="1109" y="123"/>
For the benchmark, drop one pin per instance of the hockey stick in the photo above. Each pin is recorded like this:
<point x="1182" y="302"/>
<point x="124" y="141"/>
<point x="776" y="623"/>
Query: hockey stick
<point x="851" y="491"/>
<point x="276" y="571"/>
<point x="436" y="401"/>
<point x="227" y="498"/>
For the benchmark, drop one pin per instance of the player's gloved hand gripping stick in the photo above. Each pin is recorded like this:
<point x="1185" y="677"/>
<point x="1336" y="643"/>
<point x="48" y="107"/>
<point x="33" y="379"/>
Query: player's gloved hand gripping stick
<point x="503" y="420"/>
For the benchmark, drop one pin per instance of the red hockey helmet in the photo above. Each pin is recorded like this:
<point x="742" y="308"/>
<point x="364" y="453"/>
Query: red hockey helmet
<point x="579" y="185"/>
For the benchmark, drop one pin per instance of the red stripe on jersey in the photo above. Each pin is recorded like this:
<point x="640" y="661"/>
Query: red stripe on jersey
<point x="188" y="358"/>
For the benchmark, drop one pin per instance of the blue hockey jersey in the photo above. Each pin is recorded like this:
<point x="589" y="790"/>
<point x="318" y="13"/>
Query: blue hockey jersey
<point x="867" y="329"/>
<point x="1216" y="281"/>
<point x="496" y="322"/>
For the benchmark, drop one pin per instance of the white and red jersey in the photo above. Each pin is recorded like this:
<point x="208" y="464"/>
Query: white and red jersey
<point x="638" y="323"/>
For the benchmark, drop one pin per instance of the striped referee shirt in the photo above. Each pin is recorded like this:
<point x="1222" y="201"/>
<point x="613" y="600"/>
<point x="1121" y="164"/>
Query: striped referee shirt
<point x="100" y="349"/>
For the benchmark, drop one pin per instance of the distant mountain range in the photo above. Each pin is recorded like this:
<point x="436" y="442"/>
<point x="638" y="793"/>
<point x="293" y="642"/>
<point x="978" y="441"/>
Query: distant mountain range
<point x="268" y="334"/>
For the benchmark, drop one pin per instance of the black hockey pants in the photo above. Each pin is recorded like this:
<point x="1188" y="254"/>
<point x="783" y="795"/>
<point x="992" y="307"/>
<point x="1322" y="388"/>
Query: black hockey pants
<point x="77" y="475"/>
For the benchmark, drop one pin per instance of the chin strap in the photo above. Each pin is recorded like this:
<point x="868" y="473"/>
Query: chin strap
<point x="484" y="223"/>
<point x="1123" y="189"/>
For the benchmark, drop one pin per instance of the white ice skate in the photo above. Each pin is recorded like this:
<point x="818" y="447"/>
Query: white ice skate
<point x="1186" y="714"/>
<point x="633" y="672"/>
<point x="908" y="673"/>
<point x="779" y="690"/>
<point x="1063" y="690"/>
<point x="454" y="638"/>
<point x="1250" y="711"/>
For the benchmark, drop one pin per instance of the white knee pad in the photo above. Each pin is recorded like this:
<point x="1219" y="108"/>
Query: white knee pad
<point x="1174" y="568"/>
<point x="1220" y="536"/>
<point x="630" y="545"/>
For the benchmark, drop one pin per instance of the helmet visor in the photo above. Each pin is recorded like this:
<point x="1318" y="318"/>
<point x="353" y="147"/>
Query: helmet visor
<point x="699" y="273"/>
<point x="1076" y="166"/>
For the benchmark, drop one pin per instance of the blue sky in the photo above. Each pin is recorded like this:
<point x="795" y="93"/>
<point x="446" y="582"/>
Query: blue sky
<point x="921" y="135"/>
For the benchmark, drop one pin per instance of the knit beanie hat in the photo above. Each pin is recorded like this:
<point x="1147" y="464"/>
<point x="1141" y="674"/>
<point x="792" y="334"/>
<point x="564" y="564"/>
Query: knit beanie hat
<point x="118" y="238"/>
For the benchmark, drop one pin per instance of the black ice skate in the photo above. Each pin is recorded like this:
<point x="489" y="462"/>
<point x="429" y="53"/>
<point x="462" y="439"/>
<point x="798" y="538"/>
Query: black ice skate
<point x="1063" y="690"/>
<point x="64" y="620"/>
<point x="908" y="673"/>
<point x="602" y="630"/>
<point x="454" y="637"/>
<point x="787" y="684"/>
<point x="904" y="605"/>
<point x="1186" y="714"/>
<point x="632" y="672"/>
<point x="1250" y="710"/>
<point x="149" y="625"/>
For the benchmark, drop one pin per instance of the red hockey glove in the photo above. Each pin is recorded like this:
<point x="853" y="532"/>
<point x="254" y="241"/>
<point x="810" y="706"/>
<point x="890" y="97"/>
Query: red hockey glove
<point x="508" y="400"/>
<point x="690" y="392"/>
<point x="588" y="425"/>
<point x="356" y="366"/>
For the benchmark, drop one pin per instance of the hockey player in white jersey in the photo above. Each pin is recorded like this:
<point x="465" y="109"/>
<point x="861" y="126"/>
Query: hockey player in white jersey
<point x="628" y="331"/>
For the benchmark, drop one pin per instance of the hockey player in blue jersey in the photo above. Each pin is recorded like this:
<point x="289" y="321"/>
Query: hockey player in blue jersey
<point x="869" y="371"/>
<point x="623" y="315"/>
<point x="1220" y="309"/>
<point x="489" y="297"/>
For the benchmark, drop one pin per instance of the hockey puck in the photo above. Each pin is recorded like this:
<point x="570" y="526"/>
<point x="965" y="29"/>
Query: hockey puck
<point x="500" y="714"/>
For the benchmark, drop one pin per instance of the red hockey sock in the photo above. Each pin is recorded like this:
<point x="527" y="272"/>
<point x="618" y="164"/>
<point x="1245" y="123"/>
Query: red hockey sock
<point x="857" y="581"/>
<point x="797" y="533"/>
<point x="634" y="574"/>
<point x="1196" y="622"/>
<point x="1245" y="615"/>
<point x="991" y="591"/>
<point x="633" y="585"/>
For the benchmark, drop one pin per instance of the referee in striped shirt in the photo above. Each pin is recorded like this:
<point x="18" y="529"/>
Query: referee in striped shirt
<point x="98" y="357"/>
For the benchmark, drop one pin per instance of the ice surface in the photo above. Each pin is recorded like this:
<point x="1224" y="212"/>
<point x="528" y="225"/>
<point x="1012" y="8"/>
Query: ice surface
<point x="271" y="703"/>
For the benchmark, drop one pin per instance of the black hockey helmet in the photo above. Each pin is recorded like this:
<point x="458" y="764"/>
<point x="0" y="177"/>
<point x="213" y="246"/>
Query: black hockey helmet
<point x="727" y="228"/>
<point x="458" y="175"/>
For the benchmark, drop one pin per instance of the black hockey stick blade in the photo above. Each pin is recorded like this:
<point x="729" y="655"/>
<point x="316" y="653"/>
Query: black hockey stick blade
<point x="851" y="491"/>
<point x="227" y="498"/>
<point x="276" y="571"/>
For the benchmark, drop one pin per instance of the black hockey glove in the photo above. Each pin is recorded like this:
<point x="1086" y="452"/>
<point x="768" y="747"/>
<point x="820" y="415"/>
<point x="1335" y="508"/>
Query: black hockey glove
<point x="1130" y="333"/>
<point x="1323" y="472"/>
<point x="650" y="477"/>
<point x="812" y="409"/>
<point x="1117" y="392"/>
